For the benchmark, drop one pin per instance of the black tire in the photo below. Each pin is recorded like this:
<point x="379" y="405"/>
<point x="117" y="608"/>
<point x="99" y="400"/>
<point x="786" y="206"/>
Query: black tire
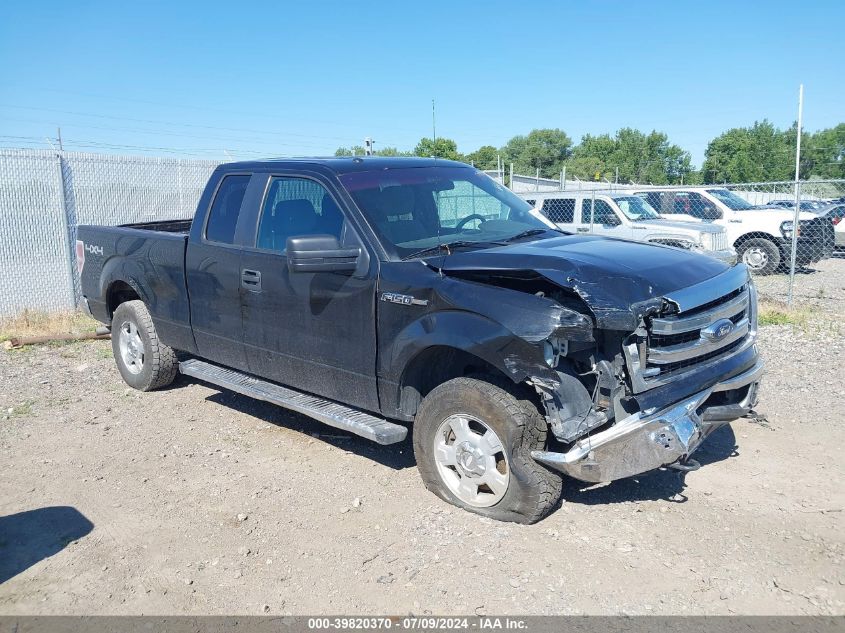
<point x="762" y="256"/>
<point x="533" y="490"/>
<point x="159" y="365"/>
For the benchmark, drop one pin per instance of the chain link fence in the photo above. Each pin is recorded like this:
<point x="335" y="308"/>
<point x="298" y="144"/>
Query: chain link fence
<point x="758" y="220"/>
<point x="45" y="195"/>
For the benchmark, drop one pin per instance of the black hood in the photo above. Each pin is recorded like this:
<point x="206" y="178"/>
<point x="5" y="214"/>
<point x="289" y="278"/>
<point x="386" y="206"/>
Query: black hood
<point x="617" y="279"/>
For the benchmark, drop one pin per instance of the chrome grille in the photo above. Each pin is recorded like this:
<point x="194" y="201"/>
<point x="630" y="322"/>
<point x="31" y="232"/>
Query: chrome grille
<point x="720" y="241"/>
<point x="678" y="343"/>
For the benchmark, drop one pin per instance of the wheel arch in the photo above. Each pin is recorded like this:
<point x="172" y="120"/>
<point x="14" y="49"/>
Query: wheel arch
<point x="119" y="292"/>
<point x="434" y="365"/>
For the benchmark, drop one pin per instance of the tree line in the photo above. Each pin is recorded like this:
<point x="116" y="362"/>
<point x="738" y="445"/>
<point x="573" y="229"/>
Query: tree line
<point x="759" y="153"/>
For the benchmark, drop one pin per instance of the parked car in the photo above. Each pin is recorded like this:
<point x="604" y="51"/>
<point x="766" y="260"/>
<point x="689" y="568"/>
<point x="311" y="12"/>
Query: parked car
<point x="804" y="205"/>
<point x="835" y="213"/>
<point x="377" y="293"/>
<point x="629" y="217"/>
<point x="762" y="237"/>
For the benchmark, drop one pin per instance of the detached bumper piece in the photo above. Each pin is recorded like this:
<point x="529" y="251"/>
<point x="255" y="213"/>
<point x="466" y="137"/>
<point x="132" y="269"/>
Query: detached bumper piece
<point x="643" y="442"/>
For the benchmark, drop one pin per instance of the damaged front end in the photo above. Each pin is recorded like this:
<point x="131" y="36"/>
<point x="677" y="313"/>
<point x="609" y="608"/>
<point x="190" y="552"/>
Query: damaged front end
<point x="640" y="442"/>
<point x="645" y="399"/>
<point x="632" y="377"/>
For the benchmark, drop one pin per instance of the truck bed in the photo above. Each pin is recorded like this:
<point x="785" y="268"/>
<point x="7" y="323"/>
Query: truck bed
<point x="149" y="258"/>
<point x="164" y="226"/>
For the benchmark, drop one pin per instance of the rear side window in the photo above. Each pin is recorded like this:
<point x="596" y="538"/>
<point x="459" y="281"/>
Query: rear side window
<point x="223" y="217"/>
<point x="654" y="199"/>
<point x="560" y="210"/>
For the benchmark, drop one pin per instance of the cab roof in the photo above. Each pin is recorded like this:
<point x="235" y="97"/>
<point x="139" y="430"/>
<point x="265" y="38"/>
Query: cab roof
<point x="343" y="164"/>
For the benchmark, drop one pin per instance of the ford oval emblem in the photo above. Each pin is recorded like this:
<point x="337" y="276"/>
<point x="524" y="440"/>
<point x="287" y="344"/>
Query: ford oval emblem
<point x="718" y="330"/>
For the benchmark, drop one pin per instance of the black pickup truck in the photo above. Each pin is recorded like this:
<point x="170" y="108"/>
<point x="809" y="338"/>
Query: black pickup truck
<point x="378" y="294"/>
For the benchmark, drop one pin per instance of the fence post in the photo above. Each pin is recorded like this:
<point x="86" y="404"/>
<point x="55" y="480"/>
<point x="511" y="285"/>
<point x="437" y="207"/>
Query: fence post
<point x="68" y="211"/>
<point x="795" y="219"/>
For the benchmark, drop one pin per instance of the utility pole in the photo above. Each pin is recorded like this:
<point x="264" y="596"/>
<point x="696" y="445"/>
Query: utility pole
<point x="59" y="138"/>
<point x="433" y="123"/>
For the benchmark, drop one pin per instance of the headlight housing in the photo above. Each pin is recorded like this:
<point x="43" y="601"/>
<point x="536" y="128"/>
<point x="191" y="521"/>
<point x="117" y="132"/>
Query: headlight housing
<point x="786" y="229"/>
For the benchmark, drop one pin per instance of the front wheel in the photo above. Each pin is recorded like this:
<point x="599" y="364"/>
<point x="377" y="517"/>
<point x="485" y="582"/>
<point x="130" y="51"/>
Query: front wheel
<point x="473" y="440"/>
<point x="762" y="256"/>
<point x="142" y="359"/>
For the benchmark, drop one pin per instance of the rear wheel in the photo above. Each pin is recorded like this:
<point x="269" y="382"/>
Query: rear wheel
<point x="762" y="256"/>
<point x="144" y="362"/>
<point x="473" y="440"/>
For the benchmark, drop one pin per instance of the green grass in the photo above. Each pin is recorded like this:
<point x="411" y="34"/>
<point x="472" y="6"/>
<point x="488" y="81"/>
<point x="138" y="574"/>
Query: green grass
<point x="32" y="323"/>
<point x="24" y="408"/>
<point x="780" y="314"/>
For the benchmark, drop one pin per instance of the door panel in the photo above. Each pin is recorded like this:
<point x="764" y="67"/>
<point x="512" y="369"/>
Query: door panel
<point x="312" y="331"/>
<point x="213" y="264"/>
<point x="604" y="221"/>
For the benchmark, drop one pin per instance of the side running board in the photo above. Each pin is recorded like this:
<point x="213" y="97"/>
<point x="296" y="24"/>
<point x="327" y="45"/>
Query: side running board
<point x="326" y="411"/>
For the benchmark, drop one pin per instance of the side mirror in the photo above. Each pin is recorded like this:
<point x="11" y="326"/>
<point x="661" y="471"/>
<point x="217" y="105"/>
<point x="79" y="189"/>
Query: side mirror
<point x="710" y="213"/>
<point x="612" y="220"/>
<point x="320" y="253"/>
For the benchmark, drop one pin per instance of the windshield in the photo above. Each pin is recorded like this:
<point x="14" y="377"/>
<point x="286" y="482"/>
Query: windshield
<point x="420" y="207"/>
<point x="730" y="199"/>
<point x="636" y="208"/>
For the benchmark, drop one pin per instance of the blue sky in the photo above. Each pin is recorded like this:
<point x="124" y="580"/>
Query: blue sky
<point x="302" y="78"/>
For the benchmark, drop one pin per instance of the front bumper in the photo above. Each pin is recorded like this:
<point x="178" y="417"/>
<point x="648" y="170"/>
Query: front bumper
<point x="808" y="250"/>
<point x="645" y="441"/>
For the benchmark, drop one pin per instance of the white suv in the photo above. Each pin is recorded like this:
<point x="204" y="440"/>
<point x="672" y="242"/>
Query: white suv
<point x="629" y="217"/>
<point x="762" y="237"/>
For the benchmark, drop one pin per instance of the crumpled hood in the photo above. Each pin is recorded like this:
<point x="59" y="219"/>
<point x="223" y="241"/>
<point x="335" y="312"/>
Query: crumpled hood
<point x="619" y="280"/>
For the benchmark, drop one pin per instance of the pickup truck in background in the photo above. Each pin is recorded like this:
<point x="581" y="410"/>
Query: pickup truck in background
<point x="762" y="237"/>
<point x="378" y="294"/>
<point x="629" y="217"/>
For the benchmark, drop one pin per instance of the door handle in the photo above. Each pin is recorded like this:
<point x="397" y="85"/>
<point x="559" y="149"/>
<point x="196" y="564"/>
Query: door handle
<point x="251" y="280"/>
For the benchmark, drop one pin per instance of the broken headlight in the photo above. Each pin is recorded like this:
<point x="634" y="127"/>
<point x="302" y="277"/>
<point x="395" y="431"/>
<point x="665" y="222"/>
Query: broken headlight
<point x="553" y="349"/>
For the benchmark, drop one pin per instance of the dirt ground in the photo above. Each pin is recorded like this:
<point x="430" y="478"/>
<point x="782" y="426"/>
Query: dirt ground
<point x="197" y="501"/>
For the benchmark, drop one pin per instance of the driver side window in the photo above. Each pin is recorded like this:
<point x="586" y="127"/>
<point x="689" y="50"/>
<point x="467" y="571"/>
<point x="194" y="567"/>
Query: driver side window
<point x="466" y="200"/>
<point x="295" y="207"/>
<point x="602" y="213"/>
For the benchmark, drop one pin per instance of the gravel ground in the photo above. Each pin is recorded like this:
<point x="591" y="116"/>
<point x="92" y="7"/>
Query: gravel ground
<point x="196" y="501"/>
<point x="819" y="287"/>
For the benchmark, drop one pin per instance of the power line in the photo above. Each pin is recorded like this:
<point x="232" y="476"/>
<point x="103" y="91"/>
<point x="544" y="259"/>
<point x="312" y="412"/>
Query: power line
<point x="159" y="122"/>
<point x="273" y="115"/>
<point x="166" y="133"/>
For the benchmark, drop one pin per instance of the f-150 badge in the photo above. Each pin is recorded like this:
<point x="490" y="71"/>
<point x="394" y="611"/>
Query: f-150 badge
<point x="407" y="300"/>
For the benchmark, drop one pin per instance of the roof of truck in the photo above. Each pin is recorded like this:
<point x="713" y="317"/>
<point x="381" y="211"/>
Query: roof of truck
<point x="344" y="164"/>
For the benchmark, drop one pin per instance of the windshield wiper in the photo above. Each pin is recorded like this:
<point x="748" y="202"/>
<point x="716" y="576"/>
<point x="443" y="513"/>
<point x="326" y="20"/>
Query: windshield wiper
<point x="448" y="246"/>
<point x="529" y="233"/>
